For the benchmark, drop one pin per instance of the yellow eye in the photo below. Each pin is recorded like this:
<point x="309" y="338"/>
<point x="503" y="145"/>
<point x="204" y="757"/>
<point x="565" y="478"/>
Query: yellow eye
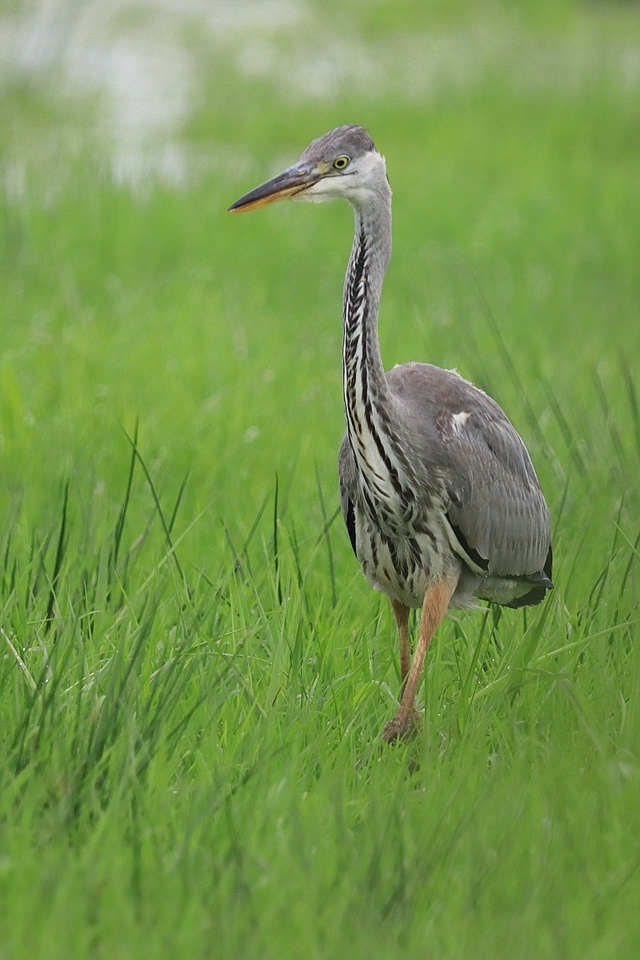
<point x="341" y="162"/>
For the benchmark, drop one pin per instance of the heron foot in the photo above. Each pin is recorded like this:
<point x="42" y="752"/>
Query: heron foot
<point x="405" y="724"/>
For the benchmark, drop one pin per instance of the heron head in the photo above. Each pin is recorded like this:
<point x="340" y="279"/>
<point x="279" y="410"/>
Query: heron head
<point x="342" y="163"/>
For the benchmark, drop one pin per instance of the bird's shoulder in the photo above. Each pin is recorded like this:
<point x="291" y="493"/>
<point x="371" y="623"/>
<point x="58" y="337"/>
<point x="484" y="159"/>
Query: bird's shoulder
<point x="458" y="419"/>
<point x="457" y="432"/>
<point x="423" y="385"/>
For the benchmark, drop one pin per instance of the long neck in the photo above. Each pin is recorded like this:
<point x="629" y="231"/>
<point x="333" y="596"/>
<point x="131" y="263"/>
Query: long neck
<point x="368" y="262"/>
<point x="368" y="404"/>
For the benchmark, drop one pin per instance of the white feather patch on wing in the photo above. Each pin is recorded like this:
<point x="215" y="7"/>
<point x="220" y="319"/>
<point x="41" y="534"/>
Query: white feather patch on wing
<point x="458" y="421"/>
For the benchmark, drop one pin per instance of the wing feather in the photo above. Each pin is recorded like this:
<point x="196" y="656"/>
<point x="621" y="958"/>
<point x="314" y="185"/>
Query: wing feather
<point x="496" y="506"/>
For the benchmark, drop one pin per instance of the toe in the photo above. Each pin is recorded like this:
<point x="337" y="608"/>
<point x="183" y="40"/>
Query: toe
<point x="402" y="727"/>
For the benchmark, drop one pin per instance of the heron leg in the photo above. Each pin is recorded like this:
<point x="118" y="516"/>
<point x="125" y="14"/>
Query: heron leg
<point x="434" y="607"/>
<point x="402" y="619"/>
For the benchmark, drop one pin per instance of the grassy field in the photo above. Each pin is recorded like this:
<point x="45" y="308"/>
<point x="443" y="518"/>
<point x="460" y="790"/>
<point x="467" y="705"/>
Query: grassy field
<point x="193" y="673"/>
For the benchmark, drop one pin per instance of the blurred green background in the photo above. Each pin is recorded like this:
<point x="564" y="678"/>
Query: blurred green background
<point x="130" y="299"/>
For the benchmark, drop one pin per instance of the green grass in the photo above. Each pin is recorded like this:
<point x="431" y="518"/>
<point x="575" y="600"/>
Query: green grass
<point x="193" y="673"/>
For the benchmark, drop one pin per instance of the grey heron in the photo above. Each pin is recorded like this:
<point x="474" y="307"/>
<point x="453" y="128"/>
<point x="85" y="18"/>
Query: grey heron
<point x="439" y="496"/>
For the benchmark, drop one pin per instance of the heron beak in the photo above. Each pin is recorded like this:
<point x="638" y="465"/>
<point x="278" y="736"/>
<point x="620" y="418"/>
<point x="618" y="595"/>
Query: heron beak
<point x="296" y="179"/>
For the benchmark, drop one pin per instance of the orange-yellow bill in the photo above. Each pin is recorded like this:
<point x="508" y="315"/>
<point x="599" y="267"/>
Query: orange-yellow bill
<point x="295" y="180"/>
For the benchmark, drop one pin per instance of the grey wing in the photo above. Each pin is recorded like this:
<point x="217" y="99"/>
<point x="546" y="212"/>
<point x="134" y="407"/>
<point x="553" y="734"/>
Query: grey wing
<point x="496" y="510"/>
<point x="348" y="487"/>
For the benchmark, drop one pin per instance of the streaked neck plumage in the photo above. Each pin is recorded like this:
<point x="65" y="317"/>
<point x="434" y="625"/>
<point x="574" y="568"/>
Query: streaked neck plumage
<point x="370" y="255"/>
<point x="368" y="403"/>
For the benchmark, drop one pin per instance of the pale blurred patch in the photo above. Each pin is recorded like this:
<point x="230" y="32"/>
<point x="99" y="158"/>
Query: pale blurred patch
<point x="145" y="63"/>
